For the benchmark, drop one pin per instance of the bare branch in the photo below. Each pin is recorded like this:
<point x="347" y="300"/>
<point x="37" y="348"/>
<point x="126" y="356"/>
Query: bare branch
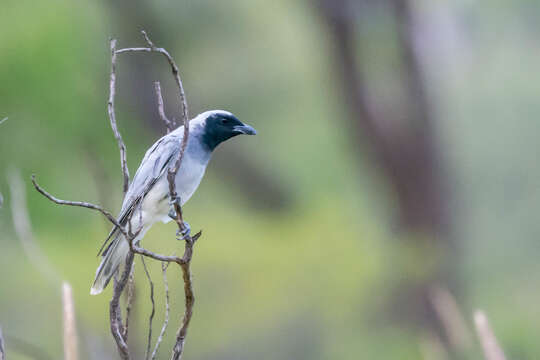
<point x="2" y="346"/>
<point x="492" y="349"/>
<point x="84" y="204"/>
<point x="152" y="313"/>
<point x="130" y="299"/>
<point x="178" y="349"/>
<point x="23" y="229"/>
<point x="164" y="267"/>
<point x="171" y="125"/>
<point x="115" y="311"/>
<point x="4" y="119"/>
<point x="112" y="116"/>
<point x="70" y="330"/>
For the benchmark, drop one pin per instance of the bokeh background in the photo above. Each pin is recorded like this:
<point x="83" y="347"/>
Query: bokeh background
<point x="394" y="176"/>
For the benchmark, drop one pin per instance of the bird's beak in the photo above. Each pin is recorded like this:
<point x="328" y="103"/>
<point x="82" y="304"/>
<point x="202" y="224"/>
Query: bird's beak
<point x="245" y="129"/>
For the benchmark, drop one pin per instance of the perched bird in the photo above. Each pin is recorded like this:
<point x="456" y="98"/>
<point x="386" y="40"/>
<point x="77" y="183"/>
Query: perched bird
<point x="147" y="199"/>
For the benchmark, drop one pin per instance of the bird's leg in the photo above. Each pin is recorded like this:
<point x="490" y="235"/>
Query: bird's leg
<point x="184" y="233"/>
<point x="174" y="201"/>
<point x="181" y="234"/>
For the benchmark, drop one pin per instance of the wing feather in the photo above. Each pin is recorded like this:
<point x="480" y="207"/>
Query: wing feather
<point x="154" y="165"/>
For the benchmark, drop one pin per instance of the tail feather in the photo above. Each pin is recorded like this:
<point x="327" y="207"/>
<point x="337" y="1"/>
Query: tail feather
<point x="112" y="258"/>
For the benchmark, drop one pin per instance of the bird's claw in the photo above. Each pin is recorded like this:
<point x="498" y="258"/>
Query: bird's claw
<point x="184" y="233"/>
<point x="175" y="201"/>
<point x="172" y="213"/>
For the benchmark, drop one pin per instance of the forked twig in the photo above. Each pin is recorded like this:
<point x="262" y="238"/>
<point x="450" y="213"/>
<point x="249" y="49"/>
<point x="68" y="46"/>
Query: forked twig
<point x="169" y="124"/>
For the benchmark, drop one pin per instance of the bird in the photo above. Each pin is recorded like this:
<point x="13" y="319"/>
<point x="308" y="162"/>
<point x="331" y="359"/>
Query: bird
<point x="147" y="200"/>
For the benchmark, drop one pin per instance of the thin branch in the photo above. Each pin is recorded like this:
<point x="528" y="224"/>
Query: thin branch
<point x="178" y="349"/>
<point x="115" y="311"/>
<point x="84" y="204"/>
<point x="112" y="116"/>
<point x="70" y="330"/>
<point x="152" y="313"/>
<point x="23" y="229"/>
<point x="130" y="299"/>
<point x="492" y="349"/>
<point x="4" y="119"/>
<point x="164" y="267"/>
<point x="2" y="346"/>
<point x="170" y="125"/>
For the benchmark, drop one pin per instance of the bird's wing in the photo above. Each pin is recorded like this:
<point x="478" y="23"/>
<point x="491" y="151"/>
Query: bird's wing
<point x="154" y="165"/>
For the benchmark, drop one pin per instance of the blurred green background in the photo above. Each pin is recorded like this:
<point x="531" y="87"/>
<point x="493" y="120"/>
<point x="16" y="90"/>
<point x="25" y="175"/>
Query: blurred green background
<point x="308" y="250"/>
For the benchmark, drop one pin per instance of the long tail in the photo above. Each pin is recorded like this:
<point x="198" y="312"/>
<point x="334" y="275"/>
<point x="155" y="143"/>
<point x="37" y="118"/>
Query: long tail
<point x="114" y="255"/>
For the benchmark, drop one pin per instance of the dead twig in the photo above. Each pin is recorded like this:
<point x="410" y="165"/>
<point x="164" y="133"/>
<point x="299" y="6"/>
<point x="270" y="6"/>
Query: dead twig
<point x="490" y="345"/>
<point x="169" y="124"/>
<point x="112" y="116"/>
<point x="84" y="204"/>
<point x="70" y="330"/>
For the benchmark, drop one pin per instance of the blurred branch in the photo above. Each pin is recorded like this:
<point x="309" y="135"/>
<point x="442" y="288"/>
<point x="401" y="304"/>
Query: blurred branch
<point x="408" y="158"/>
<point x="432" y="348"/>
<point x="2" y="121"/>
<point x="2" y="346"/>
<point x="23" y="229"/>
<point x="112" y="117"/>
<point x="35" y="254"/>
<point x="492" y="350"/>
<point x="27" y="349"/>
<point x="70" y="330"/>
<point x="451" y="317"/>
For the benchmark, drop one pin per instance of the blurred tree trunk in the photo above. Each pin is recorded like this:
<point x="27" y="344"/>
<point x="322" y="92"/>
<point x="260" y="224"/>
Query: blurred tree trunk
<point x="408" y="156"/>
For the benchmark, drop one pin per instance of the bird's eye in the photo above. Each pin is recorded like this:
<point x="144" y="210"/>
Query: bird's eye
<point x="224" y="121"/>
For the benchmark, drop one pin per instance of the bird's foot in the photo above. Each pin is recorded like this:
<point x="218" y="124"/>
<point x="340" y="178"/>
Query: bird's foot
<point x="175" y="201"/>
<point x="184" y="233"/>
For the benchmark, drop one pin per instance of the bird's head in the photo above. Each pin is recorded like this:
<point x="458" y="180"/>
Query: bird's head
<point x="219" y="126"/>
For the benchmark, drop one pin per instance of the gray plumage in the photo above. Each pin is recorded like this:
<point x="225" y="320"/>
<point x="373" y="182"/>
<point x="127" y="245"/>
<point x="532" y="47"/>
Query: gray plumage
<point x="147" y="199"/>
